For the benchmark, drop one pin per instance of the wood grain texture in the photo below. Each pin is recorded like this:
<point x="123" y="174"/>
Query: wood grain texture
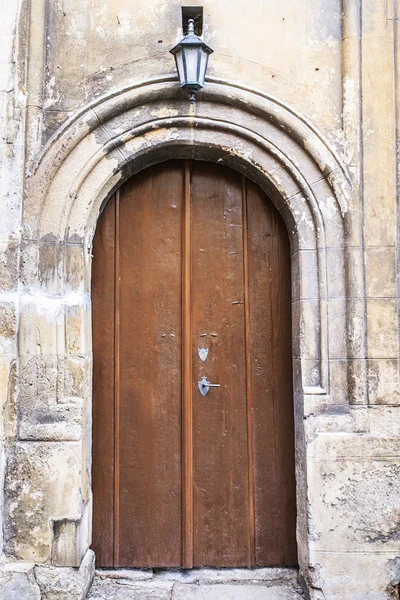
<point x="117" y="375"/>
<point x="221" y="505"/>
<point x="249" y="392"/>
<point x="150" y="358"/>
<point x="103" y="310"/>
<point x="271" y="382"/>
<point x="187" y="377"/>
<point x="192" y="256"/>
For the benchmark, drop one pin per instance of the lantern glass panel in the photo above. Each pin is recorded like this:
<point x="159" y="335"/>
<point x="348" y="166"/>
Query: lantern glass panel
<point x="191" y="59"/>
<point x="203" y="66"/>
<point x="179" y="66"/>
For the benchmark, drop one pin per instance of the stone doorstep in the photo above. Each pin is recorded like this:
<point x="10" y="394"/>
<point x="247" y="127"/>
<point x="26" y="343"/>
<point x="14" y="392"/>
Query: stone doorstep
<point x="170" y="590"/>
<point x="196" y="584"/>
<point x="206" y="575"/>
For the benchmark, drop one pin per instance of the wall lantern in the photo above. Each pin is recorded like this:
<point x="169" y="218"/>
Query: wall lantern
<point x="191" y="57"/>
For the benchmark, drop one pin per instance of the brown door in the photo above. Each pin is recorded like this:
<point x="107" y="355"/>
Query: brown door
<point x="192" y="259"/>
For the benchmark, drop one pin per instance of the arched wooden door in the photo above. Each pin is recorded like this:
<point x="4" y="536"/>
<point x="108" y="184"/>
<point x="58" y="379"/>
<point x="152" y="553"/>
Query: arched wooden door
<point x="191" y="279"/>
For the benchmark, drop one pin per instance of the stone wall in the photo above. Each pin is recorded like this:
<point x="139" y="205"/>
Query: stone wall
<point x="303" y="98"/>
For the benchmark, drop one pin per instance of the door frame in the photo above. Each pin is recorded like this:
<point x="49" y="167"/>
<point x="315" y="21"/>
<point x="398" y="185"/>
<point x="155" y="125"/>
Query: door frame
<point x="88" y="159"/>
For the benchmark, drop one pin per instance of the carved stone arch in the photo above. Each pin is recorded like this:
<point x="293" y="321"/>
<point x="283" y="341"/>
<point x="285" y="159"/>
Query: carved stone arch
<point x="118" y="135"/>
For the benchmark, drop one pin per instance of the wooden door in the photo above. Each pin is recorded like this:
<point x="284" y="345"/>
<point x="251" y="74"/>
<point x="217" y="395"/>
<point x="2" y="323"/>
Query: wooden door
<point x="192" y="256"/>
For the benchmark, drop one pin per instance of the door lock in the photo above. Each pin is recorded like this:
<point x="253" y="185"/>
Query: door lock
<point x="205" y="385"/>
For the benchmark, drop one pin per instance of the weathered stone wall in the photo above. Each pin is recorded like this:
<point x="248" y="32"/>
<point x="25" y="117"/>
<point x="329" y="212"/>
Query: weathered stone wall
<point x="303" y="97"/>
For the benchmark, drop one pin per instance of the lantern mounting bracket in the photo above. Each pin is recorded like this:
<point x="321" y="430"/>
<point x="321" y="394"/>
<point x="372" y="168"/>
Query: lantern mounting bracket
<point x="195" y="13"/>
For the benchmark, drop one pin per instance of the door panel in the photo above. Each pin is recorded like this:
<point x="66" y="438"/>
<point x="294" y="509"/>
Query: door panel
<point x="150" y="365"/>
<point x="103" y="321"/>
<point x="271" y="387"/>
<point x="191" y="255"/>
<point x="220" y="514"/>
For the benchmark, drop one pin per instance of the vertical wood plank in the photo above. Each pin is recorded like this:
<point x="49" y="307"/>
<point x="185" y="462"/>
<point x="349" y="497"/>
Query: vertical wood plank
<point x="117" y="379"/>
<point x="220" y="467"/>
<point x="103" y="305"/>
<point x="150" y="457"/>
<point x="271" y="381"/>
<point x="249" y="399"/>
<point x="187" y="412"/>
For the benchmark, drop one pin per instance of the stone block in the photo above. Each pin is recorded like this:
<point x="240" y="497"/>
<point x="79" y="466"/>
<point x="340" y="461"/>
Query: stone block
<point x="338" y="446"/>
<point x="73" y="377"/>
<point x="47" y="421"/>
<point x="9" y="266"/>
<point x="17" y="582"/>
<point x="76" y="268"/>
<point x="267" y="577"/>
<point x="29" y="264"/>
<point x="234" y="592"/>
<point x="112" y="590"/>
<point x="305" y="275"/>
<point x="42" y="325"/>
<point x="382" y="328"/>
<point x="360" y="417"/>
<point x="354" y="576"/>
<point x="8" y="328"/>
<point x="85" y="523"/>
<point x="77" y="328"/>
<point x="51" y="267"/>
<point x="354" y="272"/>
<point x="331" y="214"/>
<point x="55" y="377"/>
<point x="65" y="549"/>
<point x="357" y="381"/>
<point x="7" y="320"/>
<point x="302" y="511"/>
<point x="44" y="411"/>
<point x="318" y="402"/>
<point x="296" y="331"/>
<point x="297" y="385"/>
<point x="42" y="482"/>
<point x="8" y="395"/>
<point x="306" y="325"/>
<point x="124" y="575"/>
<point x="310" y="323"/>
<point x="338" y="381"/>
<point x="303" y="222"/>
<point x="380" y="272"/>
<point x="383" y="381"/>
<point x="384" y="421"/>
<point x="336" y="328"/>
<point x="335" y="272"/>
<point x="378" y="130"/>
<point x="63" y="583"/>
<point x="71" y="539"/>
<point x="87" y="452"/>
<point x="354" y="503"/>
<point x="356" y="328"/>
<point x="160" y="589"/>
<point x="311" y="375"/>
<point x="379" y="203"/>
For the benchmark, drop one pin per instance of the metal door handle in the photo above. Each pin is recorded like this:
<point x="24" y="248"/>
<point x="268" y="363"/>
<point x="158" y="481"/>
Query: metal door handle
<point x="205" y="385"/>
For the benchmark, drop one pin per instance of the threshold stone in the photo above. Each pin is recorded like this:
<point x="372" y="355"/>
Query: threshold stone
<point x="196" y="584"/>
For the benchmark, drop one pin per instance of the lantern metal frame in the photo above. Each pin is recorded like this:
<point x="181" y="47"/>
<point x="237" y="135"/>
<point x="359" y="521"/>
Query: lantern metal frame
<point x="189" y="42"/>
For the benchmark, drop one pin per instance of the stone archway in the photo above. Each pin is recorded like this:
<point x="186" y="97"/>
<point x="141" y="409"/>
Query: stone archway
<point x="48" y="496"/>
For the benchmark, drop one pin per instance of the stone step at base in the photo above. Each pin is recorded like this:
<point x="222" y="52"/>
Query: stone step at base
<point x="181" y="591"/>
<point x="196" y="584"/>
